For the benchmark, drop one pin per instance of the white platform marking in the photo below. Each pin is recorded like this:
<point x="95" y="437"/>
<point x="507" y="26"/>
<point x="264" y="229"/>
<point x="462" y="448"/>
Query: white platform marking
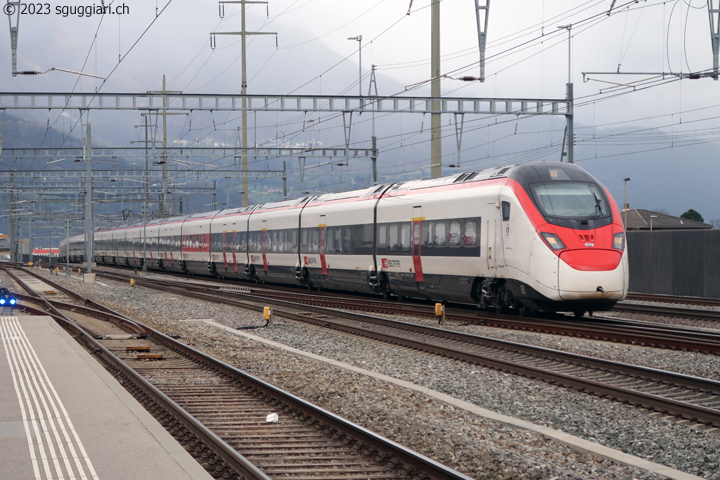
<point x="53" y="442"/>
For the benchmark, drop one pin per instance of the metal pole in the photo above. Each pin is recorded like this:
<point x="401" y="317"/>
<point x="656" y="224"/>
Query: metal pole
<point x="374" y="158"/>
<point x="570" y="121"/>
<point x="67" y="247"/>
<point x="214" y="195"/>
<point x="89" y="250"/>
<point x="569" y="96"/>
<point x="435" y="118"/>
<point x="164" y="206"/>
<point x="147" y="175"/>
<point x="625" y="205"/>
<point x="30" y="233"/>
<point x="144" y="213"/>
<point x="243" y="91"/>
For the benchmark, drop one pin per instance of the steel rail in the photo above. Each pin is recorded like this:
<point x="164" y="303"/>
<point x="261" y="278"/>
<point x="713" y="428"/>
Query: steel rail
<point x="323" y="317"/>
<point x="228" y="454"/>
<point x="668" y="311"/>
<point x="654" y="297"/>
<point x="629" y="332"/>
<point x="391" y="449"/>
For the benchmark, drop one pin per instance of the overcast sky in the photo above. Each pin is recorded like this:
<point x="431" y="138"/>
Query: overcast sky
<point x="527" y="54"/>
<point x="527" y="57"/>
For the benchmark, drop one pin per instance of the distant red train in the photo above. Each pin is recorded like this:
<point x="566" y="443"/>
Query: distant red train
<point x="529" y="237"/>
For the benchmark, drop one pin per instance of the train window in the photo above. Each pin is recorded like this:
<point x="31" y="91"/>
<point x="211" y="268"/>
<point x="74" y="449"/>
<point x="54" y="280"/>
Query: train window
<point x="393" y="241"/>
<point x="454" y="238"/>
<point x="329" y="239"/>
<point x="427" y="235"/>
<point x="366" y="238"/>
<point x="338" y="240"/>
<point x="470" y="239"/>
<point x="305" y="239"/>
<point x="382" y="236"/>
<point x="241" y="240"/>
<point x="405" y="241"/>
<point x="439" y="229"/>
<point x="506" y="211"/>
<point x="314" y="240"/>
<point x="347" y="240"/>
<point x="282" y="235"/>
<point x="294" y="239"/>
<point x="571" y="200"/>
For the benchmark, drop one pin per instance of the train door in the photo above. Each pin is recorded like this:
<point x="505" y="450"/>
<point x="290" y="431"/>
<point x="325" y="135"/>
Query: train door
<point x="500" y="236"/>
<point x="264" y="245"/>
<point x="508" y="250"/>
<point x="490" y="240"/>
<point x="224" y="248"/>
<point x="495" y="244"/>
<point x="417" y="220"/>
<point x="234" y="249"/>
<point x="323" y="232"/>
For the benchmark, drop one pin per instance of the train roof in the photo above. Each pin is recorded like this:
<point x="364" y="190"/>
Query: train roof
<point x="524" y="173"/>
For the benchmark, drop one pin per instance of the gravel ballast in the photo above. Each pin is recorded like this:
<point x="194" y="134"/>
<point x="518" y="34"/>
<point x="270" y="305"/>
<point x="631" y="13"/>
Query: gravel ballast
<point x="467" y="442"/>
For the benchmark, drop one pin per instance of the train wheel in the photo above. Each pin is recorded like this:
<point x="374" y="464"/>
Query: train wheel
<point x="524" y="311"/>
<point x="579" y="313"/>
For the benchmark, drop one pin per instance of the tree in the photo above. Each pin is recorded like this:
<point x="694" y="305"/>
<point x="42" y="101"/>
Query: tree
<point x="693" y="215"/>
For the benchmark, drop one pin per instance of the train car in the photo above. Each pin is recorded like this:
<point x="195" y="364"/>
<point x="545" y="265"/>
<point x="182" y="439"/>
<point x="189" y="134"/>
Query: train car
<point x="273" y="241"/>
<point x="228" y="243"/>
<point x="529" y="237"/>
<point x="154" y="258"/>
<point x="170" y="238"/>
<point x="196" y="244"/>
<point x="336" y="238"/>
<point x="133" y="249"/>
<point x="117" y="254"/>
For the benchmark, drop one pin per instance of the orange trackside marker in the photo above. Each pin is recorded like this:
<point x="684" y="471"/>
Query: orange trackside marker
<point x="440" y="313"/>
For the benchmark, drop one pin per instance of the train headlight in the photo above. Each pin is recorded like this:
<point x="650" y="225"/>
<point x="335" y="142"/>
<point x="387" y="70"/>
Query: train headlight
<point x="553" y="241"/>
<point x="13" y="301"/>
<point x="619" y="241"/>
<point x="2" y="301"/>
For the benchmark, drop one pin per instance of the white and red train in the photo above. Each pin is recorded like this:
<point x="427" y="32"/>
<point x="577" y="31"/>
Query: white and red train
<point x="532" y="237"/>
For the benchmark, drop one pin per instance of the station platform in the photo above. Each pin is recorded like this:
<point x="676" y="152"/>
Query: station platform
<point x="62" y="416"/>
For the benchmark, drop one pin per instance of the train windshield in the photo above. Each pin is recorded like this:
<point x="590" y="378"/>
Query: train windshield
<point x="581" y="201"/>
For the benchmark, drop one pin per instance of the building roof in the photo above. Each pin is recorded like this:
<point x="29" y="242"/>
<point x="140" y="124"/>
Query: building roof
<point x="640" y="219"/>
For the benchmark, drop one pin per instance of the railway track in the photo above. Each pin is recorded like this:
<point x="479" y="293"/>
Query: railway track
<point x="679" y="395"/>
<point x="614" y="330"/>
<point x="652" y="297"/>
<point x="236" y="425"/>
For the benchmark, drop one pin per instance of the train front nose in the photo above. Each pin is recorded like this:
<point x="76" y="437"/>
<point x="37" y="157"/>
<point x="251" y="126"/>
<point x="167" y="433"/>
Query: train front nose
<point x="591" y="275"/>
